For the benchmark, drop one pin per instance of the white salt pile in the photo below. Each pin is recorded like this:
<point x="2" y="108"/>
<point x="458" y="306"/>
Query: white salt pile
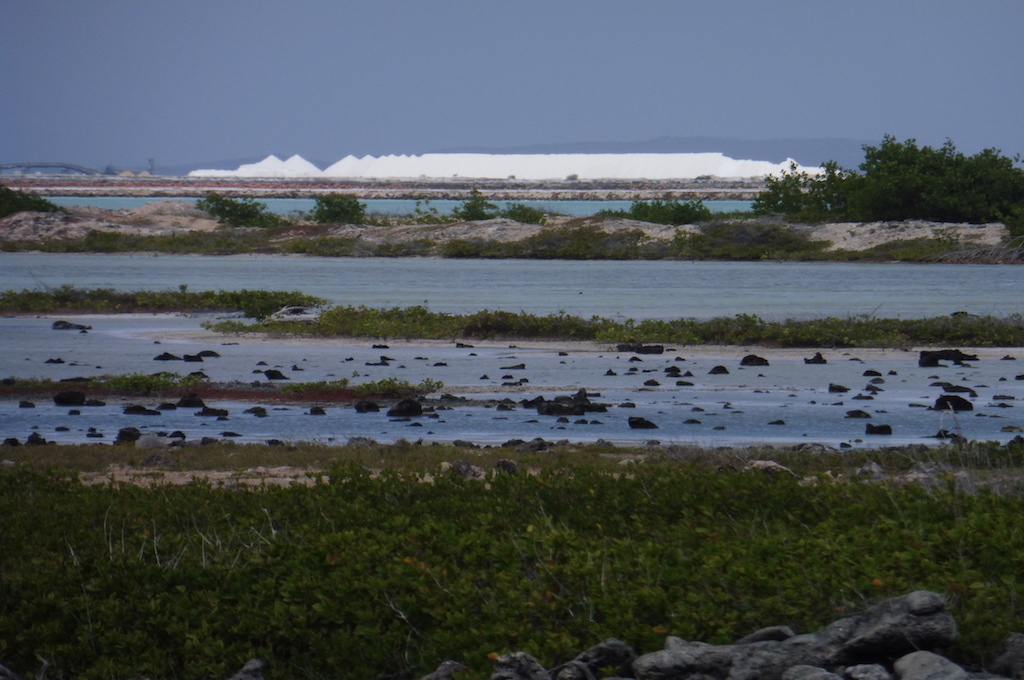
<point x="519" y="166"/>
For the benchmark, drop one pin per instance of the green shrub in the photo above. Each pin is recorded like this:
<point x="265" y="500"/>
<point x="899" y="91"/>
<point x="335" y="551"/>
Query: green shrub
<point x="901" y="181"/>
<point x="13" y="201"/>
<point x="524" y="214"/>
<point x="475" y="208"/>
<point x="664" y="212"/>
<point x="339" y="209"/>
<point x="238" y="212"/>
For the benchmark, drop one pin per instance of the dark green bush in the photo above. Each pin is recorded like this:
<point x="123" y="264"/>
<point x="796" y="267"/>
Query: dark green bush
<point x="901" y="181"/>
<point x="524" y="213"/>
<point x="475" y="208"/>
<point x="338" y="209"/>
<point x="238" y="212"/>
<point x="12" y="201"/>
<point x="664" y="212"/>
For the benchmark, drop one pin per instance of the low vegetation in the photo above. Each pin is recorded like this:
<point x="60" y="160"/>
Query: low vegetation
<point x="257" y="304"/>
<point x="377" y="574"/>
<point x="742" y="329"/>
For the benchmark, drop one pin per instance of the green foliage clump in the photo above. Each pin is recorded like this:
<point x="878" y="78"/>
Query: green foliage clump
<point x="192" y="581"/>
<point x="475" y="208"/>
<point x="337" y="208"/>
<point x="394" y="388"/>
<point x="524" y="214"/>
<point x="238" y="212"/>
<point x="664" y="212"/>
<point x="901" y="181"/>
<point x="13" y="201"/>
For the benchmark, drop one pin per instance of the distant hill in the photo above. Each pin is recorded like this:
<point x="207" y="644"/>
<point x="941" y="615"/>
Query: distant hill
<point x="811" y="152"/>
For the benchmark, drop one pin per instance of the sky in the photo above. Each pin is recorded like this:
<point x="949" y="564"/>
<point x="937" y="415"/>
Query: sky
<point x="118" y="82"/>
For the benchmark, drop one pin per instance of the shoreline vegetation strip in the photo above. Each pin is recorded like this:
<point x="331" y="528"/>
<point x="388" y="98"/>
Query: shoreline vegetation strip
<point x="417" y="322"/>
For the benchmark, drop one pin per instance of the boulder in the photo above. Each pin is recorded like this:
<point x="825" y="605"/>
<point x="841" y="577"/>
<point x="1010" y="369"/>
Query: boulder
<point x="611" y="653"/>
<point x="932" y="358"/>
<point x="638" y="423"/>
<point x="518" y="666"/>
<point x="69" y="398"/>
<point x="952" y="402"/>
<point x="753" y="360"/>
<point x="366" y="406"/>
<point x="928" y="666"/>
<point x="406" y="408"/>
<point x="62" y="325"/>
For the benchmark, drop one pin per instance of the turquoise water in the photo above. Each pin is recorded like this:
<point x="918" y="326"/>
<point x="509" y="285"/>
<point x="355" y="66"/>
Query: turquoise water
<point x="289" y="206"/>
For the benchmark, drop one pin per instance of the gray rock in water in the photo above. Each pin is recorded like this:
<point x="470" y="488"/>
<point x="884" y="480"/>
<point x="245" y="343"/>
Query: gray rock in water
<point x="405" y="409"/>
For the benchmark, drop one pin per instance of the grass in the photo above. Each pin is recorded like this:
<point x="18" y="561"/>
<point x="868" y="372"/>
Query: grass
<point x="743" y="329"/>
<point x="370" y="572"/>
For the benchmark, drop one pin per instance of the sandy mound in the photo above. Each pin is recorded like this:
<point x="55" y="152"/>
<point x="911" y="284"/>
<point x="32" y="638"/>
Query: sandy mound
<point x="161" y="217"/>
<point x="865" y="235"/>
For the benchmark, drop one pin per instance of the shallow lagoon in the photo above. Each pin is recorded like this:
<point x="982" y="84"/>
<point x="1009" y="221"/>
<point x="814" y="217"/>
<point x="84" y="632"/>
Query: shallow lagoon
<point x="737" y="408"/>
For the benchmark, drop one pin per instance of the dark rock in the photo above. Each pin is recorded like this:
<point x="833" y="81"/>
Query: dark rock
<point x="11" y="441"/>
<point x="210" y="412"/>
<point x="640" y="348"/>
<point x="366" y="406"/>
<point x="68" y="326"/>
<point x="718" y="370"/>
<point x="166" y="356"/>
<point x="127" y="435"/>
<point x="57" y="360"/>
<point x="191" y="401"/>
<point x="69" y="398"/>
<point x="317" y="411"/>
<point x="837" y="389"/>
<point x="505" y="465"/>
<point x="931" y="358"/>
<point x="857" y="414"/>
<point x="951" y="402"/>
<point x="36" y="439"/>
<point x="208" y="354"/>
<point x="139" y="410"/>
<point x="274" y="374"/>
<point x="816" y="359"/>
<point x="258" y="411"/>
<point x="638" y="423"/>
<point x="26" y="404"/>
<point x="192" y="358"/>
<point x="406" y="408"/>
<point x="877" y="429"/>
<point x="753" y="360"/>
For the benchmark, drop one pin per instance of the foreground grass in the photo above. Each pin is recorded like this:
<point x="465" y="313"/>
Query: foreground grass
<point x="368" y="576"/>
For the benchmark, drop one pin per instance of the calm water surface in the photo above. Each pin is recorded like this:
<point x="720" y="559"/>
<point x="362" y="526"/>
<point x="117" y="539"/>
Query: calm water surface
<point x="637" y="290"/>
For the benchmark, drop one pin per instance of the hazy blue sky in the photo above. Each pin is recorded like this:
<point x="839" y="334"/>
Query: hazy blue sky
<point x="102" y="82"/>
